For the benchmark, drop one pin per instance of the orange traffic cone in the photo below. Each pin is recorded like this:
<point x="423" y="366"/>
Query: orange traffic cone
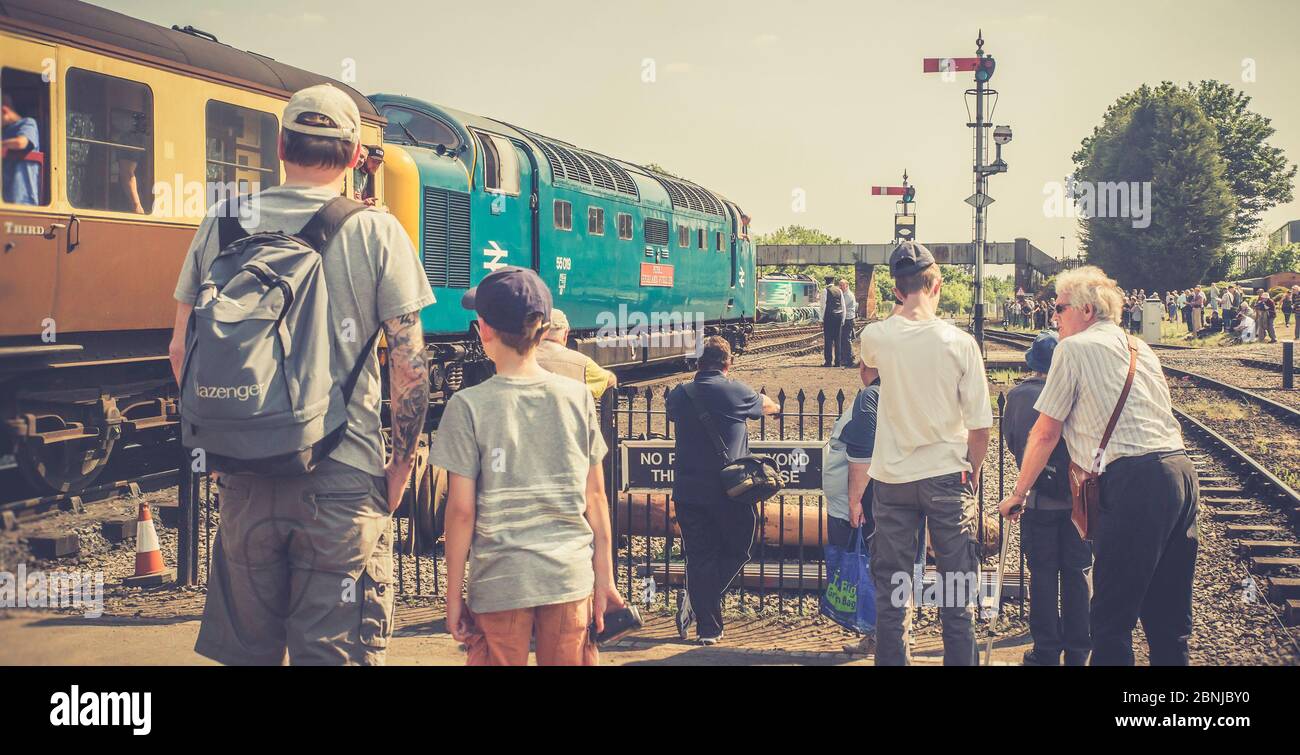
<point x="149" y="567"/>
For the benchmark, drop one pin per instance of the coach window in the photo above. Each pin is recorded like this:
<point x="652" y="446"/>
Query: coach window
<point x="563" y="215"/>
<point x="683" y="237"/>
<point x="500" y="164"/>
<point x="242" y="150"/>
<point x="26" y="176"/>
<point x="110" y="143"/>
<point x="624" y="226"/>
<point x="595" y="221"/>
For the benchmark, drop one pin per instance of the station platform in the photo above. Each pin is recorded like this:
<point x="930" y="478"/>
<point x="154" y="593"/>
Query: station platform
<point x="420" y="639"/>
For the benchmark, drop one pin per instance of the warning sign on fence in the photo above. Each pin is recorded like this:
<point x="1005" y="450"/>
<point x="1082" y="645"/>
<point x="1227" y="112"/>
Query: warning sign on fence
<point x="647" y="465"/>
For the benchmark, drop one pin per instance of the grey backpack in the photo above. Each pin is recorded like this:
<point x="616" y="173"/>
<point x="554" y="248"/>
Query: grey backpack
<point x="256" y="388"/>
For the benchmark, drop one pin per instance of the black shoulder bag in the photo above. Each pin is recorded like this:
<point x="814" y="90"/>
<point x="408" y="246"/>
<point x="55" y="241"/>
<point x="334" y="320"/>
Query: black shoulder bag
<point x="749" y="479"/>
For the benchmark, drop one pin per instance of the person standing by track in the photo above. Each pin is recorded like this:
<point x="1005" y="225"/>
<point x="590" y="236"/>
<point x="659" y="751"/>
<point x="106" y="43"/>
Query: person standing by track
<point x="846" y="328"/>
<point x="717" y="532"/>
<point x="526" y="503"/>
<point x="932" y="435"/>
<point x="286" y="544"/>
<point x="831" y="311"/>
<point x="1145" y="540"/>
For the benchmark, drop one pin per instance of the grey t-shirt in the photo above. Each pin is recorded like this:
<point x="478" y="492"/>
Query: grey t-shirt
<point x="372" y="274"/>
<point x="528" y="443"/>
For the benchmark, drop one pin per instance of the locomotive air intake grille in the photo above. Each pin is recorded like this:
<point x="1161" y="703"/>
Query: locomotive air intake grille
<point x="444" y="238"/>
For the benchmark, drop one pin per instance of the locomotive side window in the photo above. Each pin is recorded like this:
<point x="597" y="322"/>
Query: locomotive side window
<point x="500" y="164"/>
<point x="110" y="143"/>
<point x="242" y="150"/>
<point x="563" y="215"/>
<point x="406" y="126"/>
<point x="717" y="244"/>
<point x="25" y="178"/>
<point x="700" y="238"/>
<point x="595" y="221"/>
<point x="683" y="237"/>
<point x="624" y="226"/>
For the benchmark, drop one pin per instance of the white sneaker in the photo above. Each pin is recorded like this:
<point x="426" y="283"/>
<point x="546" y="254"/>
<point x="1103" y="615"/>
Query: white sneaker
<point x="707" y="641"/>
<point x="685" y="618"/>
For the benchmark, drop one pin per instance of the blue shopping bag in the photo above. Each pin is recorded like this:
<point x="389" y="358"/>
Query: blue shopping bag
<point x="850" y="596"/>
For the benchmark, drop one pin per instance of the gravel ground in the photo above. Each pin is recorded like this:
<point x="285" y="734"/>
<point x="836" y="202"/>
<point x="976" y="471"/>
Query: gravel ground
<point x="1227" y="630"/>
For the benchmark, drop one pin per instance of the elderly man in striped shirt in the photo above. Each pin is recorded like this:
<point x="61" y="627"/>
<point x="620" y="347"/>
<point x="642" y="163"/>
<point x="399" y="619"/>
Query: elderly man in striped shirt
<point x="1145" y="540"/>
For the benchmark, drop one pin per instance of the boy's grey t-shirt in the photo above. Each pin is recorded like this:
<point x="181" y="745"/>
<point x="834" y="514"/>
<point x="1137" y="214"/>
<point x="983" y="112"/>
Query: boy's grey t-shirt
<point x="528" y="443"/>
<point x="372" y="274"/>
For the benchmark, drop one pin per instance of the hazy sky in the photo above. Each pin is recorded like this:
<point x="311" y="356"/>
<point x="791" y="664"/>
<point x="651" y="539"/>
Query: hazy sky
<point x="755" y="99"/>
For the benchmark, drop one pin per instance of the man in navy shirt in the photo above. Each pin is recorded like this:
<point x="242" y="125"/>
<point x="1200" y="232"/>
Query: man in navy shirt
<point x="717" y="532"/>
<point x="22" y="177"/>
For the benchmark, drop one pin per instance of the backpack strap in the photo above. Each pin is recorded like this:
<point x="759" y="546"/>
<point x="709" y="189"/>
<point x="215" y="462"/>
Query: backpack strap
<point x="355" y="374"/>
<point x="327" y="221"/>
<point x="706" y="418"/>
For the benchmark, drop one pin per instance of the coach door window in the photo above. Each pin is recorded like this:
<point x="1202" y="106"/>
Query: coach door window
<point x="242" y="150"/>
<point x="110" y="143"/>
<point x="25" y="179"/>
<point x="500" y="164"/>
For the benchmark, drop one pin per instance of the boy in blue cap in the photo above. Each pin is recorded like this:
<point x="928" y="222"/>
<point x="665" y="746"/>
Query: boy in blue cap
<point x="1060" y="563"/>
<point x="526" y="504"/>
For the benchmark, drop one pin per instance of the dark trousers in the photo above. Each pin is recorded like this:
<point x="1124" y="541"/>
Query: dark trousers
<point x="1060" y="567"/>
<point x="717" y="537"/>
<point x="1145" y="549"/>
<point x="846" y="344"/>
<point x="831" y="337"/>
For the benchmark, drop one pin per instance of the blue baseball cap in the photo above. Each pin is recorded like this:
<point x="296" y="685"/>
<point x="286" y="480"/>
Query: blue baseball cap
<point x="1039" y="355"/>
<point x="507" y="297"/>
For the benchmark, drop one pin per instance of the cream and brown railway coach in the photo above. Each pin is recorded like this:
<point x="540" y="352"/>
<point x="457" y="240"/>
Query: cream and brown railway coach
<point x="137" y="128"/>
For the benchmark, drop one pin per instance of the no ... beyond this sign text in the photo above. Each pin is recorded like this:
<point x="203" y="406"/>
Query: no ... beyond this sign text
<point x="647" y="465"/>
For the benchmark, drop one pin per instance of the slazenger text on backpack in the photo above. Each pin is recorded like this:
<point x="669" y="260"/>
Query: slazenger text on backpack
<point x="76" y="708"/>
<point x="241" y="392"/>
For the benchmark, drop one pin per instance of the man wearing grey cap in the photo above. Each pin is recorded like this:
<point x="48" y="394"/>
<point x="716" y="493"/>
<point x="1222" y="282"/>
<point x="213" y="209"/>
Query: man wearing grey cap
<point x="554" y="355"/>
<point x="932" y="433"/>
<point x="303" y="565"/>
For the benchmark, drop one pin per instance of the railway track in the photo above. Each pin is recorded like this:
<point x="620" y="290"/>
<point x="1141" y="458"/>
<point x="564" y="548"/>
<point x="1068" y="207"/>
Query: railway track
<point x="1261" y="516"/>
<point x="144" y="469"/>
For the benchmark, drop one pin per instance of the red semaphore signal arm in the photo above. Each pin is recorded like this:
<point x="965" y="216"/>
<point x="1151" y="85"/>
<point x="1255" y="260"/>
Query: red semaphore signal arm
<point x="936" y="65"/>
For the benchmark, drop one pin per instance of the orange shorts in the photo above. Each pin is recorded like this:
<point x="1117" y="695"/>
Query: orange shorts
<point x="502" y="637"/>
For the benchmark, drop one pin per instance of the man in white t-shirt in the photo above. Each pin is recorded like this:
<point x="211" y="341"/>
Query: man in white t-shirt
<point x="931" y="438"/>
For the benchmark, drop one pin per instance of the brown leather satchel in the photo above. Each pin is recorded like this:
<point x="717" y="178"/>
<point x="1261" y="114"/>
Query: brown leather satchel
<point x="1085" y="485"/>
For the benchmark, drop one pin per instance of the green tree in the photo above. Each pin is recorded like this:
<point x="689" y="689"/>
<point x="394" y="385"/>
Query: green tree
<point x="796" y="235"/>
<point x="1158" y="135"/>
<point x="1273" y="259"/>
<point x="1259" y="173"/>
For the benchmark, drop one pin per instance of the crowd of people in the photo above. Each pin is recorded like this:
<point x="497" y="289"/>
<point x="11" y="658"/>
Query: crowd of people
<point x="528" y="536"/>
<point x="1203" y="311"/>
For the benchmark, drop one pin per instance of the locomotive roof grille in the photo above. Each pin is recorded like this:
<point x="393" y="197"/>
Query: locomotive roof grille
<point x="686" y="195"/>
<point x="573" y="164"/>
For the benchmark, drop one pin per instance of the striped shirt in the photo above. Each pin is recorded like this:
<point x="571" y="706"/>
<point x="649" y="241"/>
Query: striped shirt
<point x="1083" y="386"/>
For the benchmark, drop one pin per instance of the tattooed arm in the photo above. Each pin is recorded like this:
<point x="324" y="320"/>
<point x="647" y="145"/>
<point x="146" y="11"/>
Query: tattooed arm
<point x="408" y="394"/>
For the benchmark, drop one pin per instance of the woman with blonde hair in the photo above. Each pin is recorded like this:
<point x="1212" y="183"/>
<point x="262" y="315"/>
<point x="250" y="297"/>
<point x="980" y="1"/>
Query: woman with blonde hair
<point x="1107" y="396"/>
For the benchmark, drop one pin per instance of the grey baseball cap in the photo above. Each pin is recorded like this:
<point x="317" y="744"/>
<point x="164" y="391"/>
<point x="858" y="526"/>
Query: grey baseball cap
<point x="341" y="119"/>
<point x="909" y="258"/>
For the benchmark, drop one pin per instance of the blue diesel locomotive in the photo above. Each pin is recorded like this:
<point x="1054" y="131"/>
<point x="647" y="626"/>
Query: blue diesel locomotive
<point x="644" y="264"/>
